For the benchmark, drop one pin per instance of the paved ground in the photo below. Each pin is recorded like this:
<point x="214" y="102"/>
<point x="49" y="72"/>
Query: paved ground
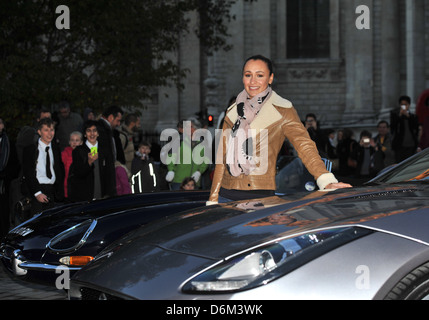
<point x="15" y="289"/>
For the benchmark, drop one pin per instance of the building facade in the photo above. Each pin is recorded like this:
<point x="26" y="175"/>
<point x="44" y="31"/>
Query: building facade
<point x="346" y="61"/>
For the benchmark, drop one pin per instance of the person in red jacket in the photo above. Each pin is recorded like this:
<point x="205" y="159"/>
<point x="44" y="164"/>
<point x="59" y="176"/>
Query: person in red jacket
<point x="76" y="139"/>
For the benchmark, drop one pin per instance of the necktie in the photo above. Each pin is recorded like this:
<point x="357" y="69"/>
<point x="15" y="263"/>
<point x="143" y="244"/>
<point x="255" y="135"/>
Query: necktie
<point x="48" y="164"/>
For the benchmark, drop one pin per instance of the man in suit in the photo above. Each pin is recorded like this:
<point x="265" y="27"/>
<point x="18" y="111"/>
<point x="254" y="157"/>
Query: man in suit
<point x="111" y="118"/>
<point x="43" y="169"/>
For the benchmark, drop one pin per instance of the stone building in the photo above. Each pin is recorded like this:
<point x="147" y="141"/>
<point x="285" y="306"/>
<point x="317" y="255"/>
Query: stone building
<point x="345" y="61"/>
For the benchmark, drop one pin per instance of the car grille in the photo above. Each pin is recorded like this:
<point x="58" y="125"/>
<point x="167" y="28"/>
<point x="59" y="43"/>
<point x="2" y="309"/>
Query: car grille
<point x="91" y="294"/>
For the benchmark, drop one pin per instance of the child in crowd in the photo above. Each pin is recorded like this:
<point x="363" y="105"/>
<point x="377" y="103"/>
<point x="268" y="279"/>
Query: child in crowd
<point x="188" y="184"/>
<point x="76" y="139"/>
<point x="144" y="175"/>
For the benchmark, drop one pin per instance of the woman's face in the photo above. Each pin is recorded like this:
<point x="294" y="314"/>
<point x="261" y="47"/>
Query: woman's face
<point x="256" y="77"/>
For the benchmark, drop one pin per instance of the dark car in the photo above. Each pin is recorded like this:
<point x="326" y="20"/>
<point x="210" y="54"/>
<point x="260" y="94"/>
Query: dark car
<point x="71" y="235"/>
<point x="359" y="243"/>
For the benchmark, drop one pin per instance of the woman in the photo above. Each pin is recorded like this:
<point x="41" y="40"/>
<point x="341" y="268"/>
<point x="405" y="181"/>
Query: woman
<point x="89" y="170"/>
<point x="76" y="139"/>
<point x="238" y="175"/>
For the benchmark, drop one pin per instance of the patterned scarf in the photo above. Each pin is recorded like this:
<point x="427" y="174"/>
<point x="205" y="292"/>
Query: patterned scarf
<point x="240" y="153"/>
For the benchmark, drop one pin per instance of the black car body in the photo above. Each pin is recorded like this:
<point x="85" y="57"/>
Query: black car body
<point x="79" y="231"/>
<point x="34" y="249"/>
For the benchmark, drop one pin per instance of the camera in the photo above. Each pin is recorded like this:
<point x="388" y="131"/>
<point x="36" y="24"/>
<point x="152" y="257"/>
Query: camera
<point x="23" y="205"/>
<point x="366" y="140"/>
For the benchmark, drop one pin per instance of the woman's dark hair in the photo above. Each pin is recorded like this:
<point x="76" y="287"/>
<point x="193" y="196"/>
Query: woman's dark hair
<point x="262" y="58"/>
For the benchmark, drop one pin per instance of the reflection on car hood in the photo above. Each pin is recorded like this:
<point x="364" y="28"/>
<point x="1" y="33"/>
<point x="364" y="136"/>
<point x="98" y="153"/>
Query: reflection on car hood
<point x="216" y="232"/>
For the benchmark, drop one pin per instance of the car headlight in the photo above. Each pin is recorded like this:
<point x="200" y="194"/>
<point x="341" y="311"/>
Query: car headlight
<point x="267" y="262"/>
<point x="73" y="238"/>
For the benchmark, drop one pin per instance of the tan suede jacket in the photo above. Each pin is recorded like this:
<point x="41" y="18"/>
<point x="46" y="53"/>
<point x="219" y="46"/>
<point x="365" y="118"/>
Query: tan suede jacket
<point x="281" y="122"/>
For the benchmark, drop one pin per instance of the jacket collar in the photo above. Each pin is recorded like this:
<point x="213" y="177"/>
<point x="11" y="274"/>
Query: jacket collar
<point x="268" y="114"/>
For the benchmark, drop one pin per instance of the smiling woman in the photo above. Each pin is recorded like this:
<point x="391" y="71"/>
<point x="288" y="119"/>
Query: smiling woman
<point x="261" y="112"/>
<point x="256" y="77"/>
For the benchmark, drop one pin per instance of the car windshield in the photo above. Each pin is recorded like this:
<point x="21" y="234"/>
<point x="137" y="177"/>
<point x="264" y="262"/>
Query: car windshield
<point x="415" y="168"/>
<point x="293" y="177"/>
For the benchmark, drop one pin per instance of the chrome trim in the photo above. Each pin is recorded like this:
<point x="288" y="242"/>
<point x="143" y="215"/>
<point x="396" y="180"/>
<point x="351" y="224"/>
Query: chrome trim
<point x="37" y="266"/>
<point x="79" y="244"/>
<point x="26" y="222"/>
<point x="17" y="259"/>
<point x="22" y="231"/>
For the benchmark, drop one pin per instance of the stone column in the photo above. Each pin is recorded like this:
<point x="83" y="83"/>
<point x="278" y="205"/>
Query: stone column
<point x="390" y="57"/>
<point x="415" y="42"/>
<point x="359" y="66"/>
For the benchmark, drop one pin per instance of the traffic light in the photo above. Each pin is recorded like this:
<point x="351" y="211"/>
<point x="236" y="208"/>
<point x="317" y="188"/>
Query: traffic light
<point x="210" y="119"/>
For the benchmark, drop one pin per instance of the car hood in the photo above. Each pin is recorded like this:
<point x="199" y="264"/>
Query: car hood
<point x="34" y="234"/>
<point x="157" y="258"/>
<point x="218" y="232"/>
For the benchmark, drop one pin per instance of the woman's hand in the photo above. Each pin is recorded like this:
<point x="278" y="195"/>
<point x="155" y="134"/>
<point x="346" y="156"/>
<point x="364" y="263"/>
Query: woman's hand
<point x="339" y="185"/>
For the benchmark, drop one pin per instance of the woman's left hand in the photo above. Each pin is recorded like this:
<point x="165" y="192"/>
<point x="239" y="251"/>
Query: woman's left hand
<point x="339" y="185"/>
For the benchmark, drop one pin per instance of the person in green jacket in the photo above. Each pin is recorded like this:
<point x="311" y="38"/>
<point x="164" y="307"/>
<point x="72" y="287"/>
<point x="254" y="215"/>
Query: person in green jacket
<point x="187" y="166"/>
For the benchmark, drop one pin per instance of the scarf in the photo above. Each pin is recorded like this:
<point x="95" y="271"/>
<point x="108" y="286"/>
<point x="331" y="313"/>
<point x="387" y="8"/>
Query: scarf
<point x="240" y="158"/>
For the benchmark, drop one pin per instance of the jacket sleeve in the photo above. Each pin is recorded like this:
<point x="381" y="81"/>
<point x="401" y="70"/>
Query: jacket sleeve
<point x="220" y="165"/>
<point x="59" y="173"/>
<point x="29" y="169"/>
<point x="306" y="148"/>
<point x="81" y="167"/>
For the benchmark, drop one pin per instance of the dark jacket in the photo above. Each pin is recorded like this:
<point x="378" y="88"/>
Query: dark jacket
<point x="105" y="140"/>
<point x="29" y="162"/>
<point x="398" y="127"/>
<point x="144" y="176"/>
<point x="82" y="176"/>
<point x="360" y="154"/>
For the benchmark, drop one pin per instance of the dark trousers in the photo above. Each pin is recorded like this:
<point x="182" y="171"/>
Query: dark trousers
<point x="49" y="191"/>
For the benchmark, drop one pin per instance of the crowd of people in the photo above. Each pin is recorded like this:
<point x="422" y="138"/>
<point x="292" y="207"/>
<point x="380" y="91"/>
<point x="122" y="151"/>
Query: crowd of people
<point x="363" y="157"/>
<point x="70" y="157"/>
